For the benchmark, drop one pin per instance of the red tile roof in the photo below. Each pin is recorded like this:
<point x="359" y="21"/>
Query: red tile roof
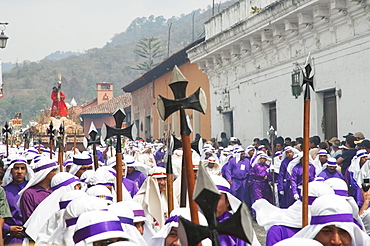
<point x="110" y="107"/>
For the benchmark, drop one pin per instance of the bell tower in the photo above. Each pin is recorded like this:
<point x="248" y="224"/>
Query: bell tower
<point x="104" y="92"/>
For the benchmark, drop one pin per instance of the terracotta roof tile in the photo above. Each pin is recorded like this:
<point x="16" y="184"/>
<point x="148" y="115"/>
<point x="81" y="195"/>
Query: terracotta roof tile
<point x="110" y="106"/>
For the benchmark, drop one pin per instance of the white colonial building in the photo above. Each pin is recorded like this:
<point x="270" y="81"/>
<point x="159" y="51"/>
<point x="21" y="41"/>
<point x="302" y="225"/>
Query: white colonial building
<point x="249" y="59"/>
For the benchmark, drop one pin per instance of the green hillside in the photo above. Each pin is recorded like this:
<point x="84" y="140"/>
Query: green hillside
<point x="27" y="86"/>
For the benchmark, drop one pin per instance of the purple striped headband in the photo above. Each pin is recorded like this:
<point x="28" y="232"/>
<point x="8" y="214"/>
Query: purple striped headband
<point x="96" y="229"/>
<point x="112" y="172"/>
<point x="341" y="192"/>
<point x="63" y="204"/>
<point x="82" y="162"/>
<point x="71" y="222"/>
<point x="108" y="198"/>
<point x="125" y="220"/>
<point x="111" y="184"/>
<point x="223" y="188"/>
<point x="37" y="169"/>
<point x="32" y="151"/>
<point x="65" y="183"/>
<point x="331" y="163"/>
<point x="324" y="219"/>
<point x="172" y="219"/>
<point x="139" y="213"/>
<point x="18" y="161"/>
<point x="361" y="154"/>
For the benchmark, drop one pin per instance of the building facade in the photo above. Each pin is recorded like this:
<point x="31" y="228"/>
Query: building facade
<point x="146" y="88"/>
<point x="249" y="59"/>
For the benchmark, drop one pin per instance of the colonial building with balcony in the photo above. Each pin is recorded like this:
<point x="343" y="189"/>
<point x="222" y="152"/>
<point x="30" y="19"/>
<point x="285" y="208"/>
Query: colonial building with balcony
<point x="249" y="59"/>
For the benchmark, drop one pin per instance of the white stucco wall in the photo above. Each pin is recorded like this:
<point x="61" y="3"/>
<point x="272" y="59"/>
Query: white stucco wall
<point x="255" y="72"/>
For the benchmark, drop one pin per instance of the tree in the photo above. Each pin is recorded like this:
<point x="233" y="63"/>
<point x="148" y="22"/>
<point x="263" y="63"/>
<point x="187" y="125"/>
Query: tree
<point x="149" y="49"/>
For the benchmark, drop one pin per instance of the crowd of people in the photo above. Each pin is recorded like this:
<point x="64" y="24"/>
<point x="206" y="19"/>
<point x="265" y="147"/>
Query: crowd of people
<point x="44" y="205"/>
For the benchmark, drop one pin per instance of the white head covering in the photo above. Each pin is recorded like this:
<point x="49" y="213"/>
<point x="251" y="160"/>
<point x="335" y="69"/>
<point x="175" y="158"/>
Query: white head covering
<point x="56" y="236"/>
<point x="130" y="162"/>
<point x="126" y="216"/>
<point x="60" y="184"/>
<point x="152" y="196"/>
<point x="238" y="153"/>
<point x="80" y="160"/>
<point x="173" y="221"/>
<point x="101" y="192"/>
<point x="338" y="185"/>
<point x="296" y="160"/>
<point x="317" y="163"/>
<point x="298" y="241"/>
<point x="295" y="151"/>
<point x="41" y="169"/>
<point x="333" y="210"/>
<point x="262" y="155"/>
<point x="268" y="215"/>
<point x="139" y="215"/>
<point x="95" y="226"/>
<point x="224" y="187"/>
<point x="355" y="167"/>
<point x="74" y="209"/>
<point x="8" y="177"/>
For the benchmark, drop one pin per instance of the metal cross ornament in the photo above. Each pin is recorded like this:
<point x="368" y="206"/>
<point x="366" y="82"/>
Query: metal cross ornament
<point x="206" y="196"/>
<point x="308" y="74"/>
<point x="52" y="132"/>
<point x="166" y="107"/>
<point x="61" y="146"/>
<point x="107" y="132"/>
<point x="7" y="130"/>
<point x="92" y="141"/>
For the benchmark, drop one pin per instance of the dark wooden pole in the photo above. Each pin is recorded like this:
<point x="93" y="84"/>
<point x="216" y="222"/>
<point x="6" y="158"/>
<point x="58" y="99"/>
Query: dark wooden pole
<point x="119" y="169"/>
<point x="190" y="180"/>
<point x="306" y="142"/>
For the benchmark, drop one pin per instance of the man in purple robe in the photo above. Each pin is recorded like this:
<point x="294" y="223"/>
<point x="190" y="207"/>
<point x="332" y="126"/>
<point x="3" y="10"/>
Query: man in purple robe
<point x="296" y="178"/>
<point x="38" y="188"/>
<point x="14" y="182"/>
<point x="259" y="178"/>
<point x="130" y="185"/>
<point x="239" y="168"/>
<point x="277" y="233"/>
<point x="132" y="174"/>
<point x="226" y="203"/>
<point x="331" y="170"/>
<point x="159" y="156"/>
<point x="285" y="192"/>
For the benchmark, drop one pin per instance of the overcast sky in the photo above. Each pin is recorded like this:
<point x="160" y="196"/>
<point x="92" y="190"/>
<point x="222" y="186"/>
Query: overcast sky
<point x="38" y="28"/>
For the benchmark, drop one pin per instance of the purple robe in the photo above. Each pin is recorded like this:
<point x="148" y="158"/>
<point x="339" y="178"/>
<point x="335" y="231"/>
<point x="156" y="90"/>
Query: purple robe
<point x="31" y="198"/>
<point x="239" y="176"/>
<point x="11" y="191"/>
<point x="278" y="233"/>
<point x="296" y="178"/>
<point x="327" y="175"/>
<point x="260" y="187"/>
<point x="284" y="185"/>
<point x="130" y="186"/>
<point x="226" y="240"/>
<point x="225" y="170"/>
<point x="159" y="156"/>
<point x="138" y="177"/>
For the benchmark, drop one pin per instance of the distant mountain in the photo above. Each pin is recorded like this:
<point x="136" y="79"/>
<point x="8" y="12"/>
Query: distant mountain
<point x="6" y="66"/>
<point x="58" y="55"/>
<point x="27" y="86"/>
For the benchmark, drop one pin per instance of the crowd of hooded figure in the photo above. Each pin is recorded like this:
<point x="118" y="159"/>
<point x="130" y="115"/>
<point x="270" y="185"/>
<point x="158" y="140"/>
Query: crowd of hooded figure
<point x="39" y="204"/>
<point x="44" y="205"/>
<point x="269" y="180"/>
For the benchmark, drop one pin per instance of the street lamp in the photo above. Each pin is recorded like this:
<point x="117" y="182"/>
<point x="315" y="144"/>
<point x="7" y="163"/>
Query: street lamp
<point x="3" y="37"/>
<point x="296" y="82"/>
